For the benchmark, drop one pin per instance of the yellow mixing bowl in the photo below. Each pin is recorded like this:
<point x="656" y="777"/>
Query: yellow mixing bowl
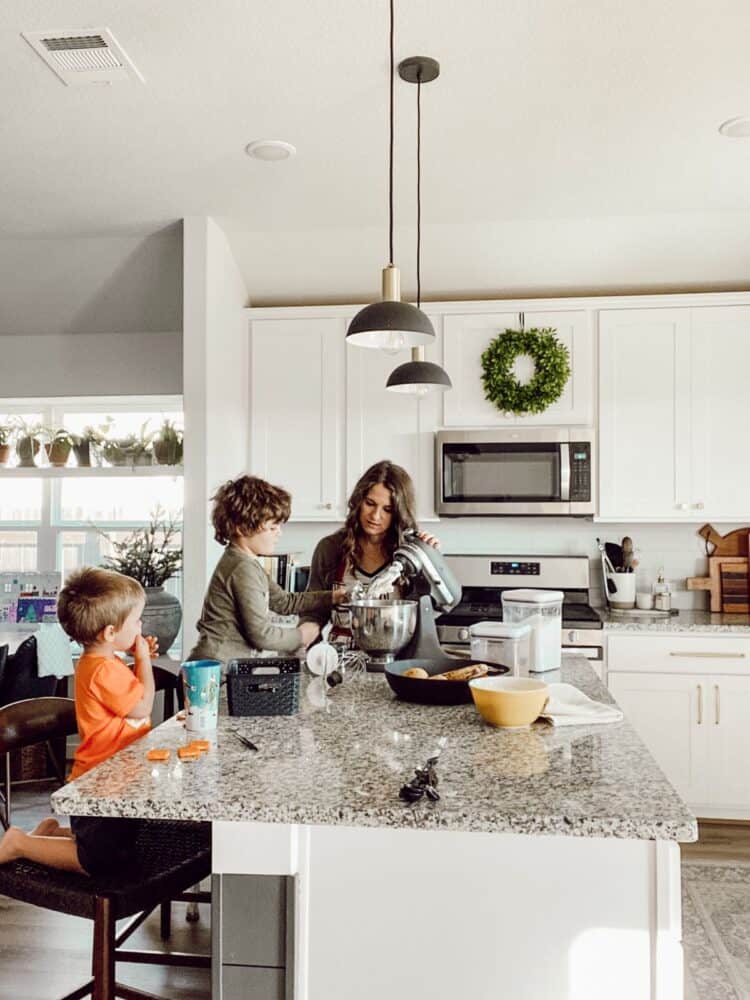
<point x="509" y="702"/>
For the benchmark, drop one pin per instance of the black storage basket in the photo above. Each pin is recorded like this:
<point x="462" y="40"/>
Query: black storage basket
<point x="263" y="686"/>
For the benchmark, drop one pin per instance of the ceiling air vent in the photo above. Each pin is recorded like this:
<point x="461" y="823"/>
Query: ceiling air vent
<point x="78" y="58"/>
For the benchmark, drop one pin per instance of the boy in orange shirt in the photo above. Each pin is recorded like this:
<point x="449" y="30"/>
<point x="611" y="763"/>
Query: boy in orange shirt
<point x="101" y="610"/>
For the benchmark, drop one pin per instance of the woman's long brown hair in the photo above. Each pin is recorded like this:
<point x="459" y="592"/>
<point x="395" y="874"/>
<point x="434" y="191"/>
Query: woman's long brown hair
<point x="403" y="500"/>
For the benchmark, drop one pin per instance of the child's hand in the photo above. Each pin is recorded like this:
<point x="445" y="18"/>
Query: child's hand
<point x="310" y="631"/>
<point x="339" y="594"/>
<point x="140" y="648"/>
<point x="153" y="646"/>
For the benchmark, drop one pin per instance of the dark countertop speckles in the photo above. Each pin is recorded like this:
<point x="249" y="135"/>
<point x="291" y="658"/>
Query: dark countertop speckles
<point x="343" y="764"/>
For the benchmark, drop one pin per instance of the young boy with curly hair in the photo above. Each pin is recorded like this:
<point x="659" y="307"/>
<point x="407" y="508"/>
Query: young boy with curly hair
<point x="235" y="621"/>
<point x="101" y="610"/>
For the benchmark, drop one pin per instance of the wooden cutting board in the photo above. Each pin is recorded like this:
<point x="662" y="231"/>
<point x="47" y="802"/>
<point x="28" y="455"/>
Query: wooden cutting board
<point x="735" y="595"/>
<point x="733" y="544"/>
<point x="712" y="582"/>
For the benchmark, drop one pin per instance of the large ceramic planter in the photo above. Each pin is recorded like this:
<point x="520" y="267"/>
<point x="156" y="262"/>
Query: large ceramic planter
<point x="161" y="617"/>
<point x="4" y="454"/>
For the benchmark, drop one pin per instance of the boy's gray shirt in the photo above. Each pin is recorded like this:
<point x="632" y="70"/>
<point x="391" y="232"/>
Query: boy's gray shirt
<point x="234" y="620"/>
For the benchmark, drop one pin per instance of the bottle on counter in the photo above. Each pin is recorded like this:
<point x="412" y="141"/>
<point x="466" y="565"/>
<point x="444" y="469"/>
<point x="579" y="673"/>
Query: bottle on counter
<point x="662" y="595"/>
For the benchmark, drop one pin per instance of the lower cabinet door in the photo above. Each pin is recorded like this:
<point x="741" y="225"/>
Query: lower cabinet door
<point x="671" y="714"/>
<point x="240" y="982"/>
<point x="728" y="791"/>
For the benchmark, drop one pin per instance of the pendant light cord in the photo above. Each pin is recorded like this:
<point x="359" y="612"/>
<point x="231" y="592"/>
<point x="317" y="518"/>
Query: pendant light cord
<point x="419" y="189"/>
<point x="390" y="148"/>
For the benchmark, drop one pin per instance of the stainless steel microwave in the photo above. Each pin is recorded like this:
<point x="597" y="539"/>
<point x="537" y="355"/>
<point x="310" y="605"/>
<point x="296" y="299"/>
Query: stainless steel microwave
<point x="516" y="471"/>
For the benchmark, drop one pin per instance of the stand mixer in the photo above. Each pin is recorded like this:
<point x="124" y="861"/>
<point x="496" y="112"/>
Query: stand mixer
<point x="406" y="630"/>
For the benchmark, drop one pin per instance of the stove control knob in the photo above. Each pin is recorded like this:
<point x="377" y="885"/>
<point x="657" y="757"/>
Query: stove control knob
<point x="572" y="636"/>
<point x="463" y="635"/>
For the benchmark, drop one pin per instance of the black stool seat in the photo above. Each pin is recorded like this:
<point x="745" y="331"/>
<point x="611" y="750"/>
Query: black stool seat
<point x="168" y="858"/>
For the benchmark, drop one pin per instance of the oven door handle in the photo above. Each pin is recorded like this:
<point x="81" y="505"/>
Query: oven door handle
<point x="565" y="470"/>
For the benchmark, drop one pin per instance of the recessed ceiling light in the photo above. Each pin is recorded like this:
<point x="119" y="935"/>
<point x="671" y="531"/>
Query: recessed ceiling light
<point x="736" y="128"/>
<point x="270" y="149"/>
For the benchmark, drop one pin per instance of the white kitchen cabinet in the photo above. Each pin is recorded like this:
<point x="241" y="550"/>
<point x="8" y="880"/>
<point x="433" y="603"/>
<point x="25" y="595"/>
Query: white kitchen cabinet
<point x="391" y="425"/>
<point x="466" y="335"/>
<point x="719" y="393"/>
<point x="664" y="711"/>
<point x="296" y="411"/>
<point x="672" y="399"/>
<point x="644" y="413"/>
<point x="688" y="698"/>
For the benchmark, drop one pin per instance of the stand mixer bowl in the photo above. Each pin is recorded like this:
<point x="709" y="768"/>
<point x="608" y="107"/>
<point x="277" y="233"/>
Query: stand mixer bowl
<point x="382" y="628"/>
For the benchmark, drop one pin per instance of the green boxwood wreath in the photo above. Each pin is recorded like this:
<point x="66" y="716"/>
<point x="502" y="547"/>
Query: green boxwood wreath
<point x="551" y="363"/>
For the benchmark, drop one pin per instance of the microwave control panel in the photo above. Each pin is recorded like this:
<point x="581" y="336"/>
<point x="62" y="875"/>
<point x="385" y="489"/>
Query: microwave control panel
<point x="580" y="471"/>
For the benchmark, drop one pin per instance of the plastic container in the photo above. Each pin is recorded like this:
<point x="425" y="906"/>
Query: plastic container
<point x="542" y="611"/>
<point x="263" y="686"/>
<point x="499" y="642"/>
<point x="201" y="680"/>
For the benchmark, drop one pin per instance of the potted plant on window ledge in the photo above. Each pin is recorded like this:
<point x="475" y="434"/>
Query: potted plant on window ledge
<point x="149" y="556"/>
<point x="83" y="444"/>
<point x="6" y="435"/>
<point x="28" y="444"/>
<point x="58" y="444"/>
<point x="168" y="444"/>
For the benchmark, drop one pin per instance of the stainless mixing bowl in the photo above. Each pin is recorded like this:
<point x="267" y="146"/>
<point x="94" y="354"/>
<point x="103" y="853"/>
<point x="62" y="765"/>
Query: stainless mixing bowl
<point x="382" y="628"/>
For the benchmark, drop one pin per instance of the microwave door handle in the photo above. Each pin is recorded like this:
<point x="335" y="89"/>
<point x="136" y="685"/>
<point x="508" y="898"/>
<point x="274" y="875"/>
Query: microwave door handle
<point x="565" y="471"/>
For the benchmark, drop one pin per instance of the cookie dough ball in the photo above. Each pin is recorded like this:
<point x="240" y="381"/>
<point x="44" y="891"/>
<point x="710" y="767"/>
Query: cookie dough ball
<point x="419" y="672"/>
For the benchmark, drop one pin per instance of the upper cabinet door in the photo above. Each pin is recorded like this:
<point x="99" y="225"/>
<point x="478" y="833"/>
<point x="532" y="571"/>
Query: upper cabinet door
<point x="297" y="411"/>
<point x="397" y="426"/>
<point x="467" y="335"/>
<point x="720" y="378"/>
<point x="644" y="414"/>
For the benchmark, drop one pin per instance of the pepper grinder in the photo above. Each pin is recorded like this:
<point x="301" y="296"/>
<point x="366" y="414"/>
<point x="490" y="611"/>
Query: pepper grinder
<point x="662" y="596"/>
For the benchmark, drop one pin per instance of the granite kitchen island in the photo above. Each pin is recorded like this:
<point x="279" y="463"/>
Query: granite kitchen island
<point x="548" y="870"/>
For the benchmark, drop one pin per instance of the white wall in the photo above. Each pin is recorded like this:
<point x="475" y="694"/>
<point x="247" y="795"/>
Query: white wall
<point x="523" y="258"/>
<point x="215" y="395"/>
<point x="677" y="547"/>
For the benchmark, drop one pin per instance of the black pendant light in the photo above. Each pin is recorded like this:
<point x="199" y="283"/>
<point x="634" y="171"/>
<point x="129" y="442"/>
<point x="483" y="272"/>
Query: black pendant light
<point x="391" y="323"/>
<point x="419" y="376"/>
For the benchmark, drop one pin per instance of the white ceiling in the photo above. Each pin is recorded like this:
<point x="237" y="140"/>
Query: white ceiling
<point x="544" y="109"/>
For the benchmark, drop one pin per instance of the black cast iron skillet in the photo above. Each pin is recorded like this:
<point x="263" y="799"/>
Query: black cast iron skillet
<point x="429" y="692"/>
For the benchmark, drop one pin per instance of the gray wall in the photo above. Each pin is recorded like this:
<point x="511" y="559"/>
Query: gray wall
<point x="91" y="315"/>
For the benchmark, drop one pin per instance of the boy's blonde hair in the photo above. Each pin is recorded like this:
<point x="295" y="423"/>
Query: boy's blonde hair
<point x="93" y="598"/>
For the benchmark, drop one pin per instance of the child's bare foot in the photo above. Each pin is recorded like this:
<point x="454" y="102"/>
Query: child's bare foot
<point x="10" y="845"/>
<point x="47" y="828"/>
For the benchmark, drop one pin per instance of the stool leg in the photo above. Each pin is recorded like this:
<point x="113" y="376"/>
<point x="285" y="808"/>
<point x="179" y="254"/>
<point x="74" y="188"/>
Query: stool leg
<point x="165" y="920"/>
<point x="103" y="957"/>
<point x="6" y="818"/>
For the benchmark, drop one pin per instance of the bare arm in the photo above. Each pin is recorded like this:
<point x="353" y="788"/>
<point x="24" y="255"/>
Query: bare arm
<point x="145" y="674"/>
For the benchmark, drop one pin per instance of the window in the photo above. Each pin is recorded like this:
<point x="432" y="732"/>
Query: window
<point x="52" y="522"/>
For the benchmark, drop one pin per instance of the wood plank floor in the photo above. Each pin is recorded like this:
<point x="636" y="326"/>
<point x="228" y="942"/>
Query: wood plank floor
<point x="44" y="955"/>
<point x="720" y="840"/>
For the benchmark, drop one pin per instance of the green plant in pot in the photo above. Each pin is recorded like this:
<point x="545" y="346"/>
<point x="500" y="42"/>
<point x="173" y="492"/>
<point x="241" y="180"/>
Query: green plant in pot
<point x="168" y="444"/>
<point x="139" y="452"/>
<point x="83" y="444"/>
<point x="58" y="445"/>
<point x="149" y="556"/>
<point x="6" y="436"/>
<point x="28" y="443"/>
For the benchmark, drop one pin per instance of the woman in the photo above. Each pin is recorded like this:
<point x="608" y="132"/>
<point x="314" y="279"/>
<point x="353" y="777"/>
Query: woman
<point x="381" y="511"/>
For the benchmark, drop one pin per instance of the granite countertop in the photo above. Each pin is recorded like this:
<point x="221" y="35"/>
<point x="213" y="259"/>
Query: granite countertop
<point x="343" y="758"/>
<point x="685" y="621"/>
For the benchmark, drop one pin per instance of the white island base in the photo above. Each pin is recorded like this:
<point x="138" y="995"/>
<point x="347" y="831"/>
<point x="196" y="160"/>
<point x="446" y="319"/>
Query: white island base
<point x="394" y="914"/>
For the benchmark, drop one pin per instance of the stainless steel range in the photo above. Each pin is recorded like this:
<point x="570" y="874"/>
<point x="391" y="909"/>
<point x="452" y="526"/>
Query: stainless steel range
<point x="484" y="578"/>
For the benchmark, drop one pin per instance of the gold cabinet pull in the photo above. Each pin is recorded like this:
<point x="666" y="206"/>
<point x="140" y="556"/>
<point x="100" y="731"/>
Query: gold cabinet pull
<point x="700" y="704"/>
<point x="710" y="656"/>
<point x="717" y="706"/>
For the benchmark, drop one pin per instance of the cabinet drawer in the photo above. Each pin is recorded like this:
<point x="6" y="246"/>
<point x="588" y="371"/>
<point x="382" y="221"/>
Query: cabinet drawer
<point x="679" y="653"/>
<point x="239" y="982"/>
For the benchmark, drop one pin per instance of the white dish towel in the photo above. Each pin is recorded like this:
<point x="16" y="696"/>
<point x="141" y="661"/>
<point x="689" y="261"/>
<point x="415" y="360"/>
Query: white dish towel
<point x="54" y="658"/>
<point x="567" y="706"/>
